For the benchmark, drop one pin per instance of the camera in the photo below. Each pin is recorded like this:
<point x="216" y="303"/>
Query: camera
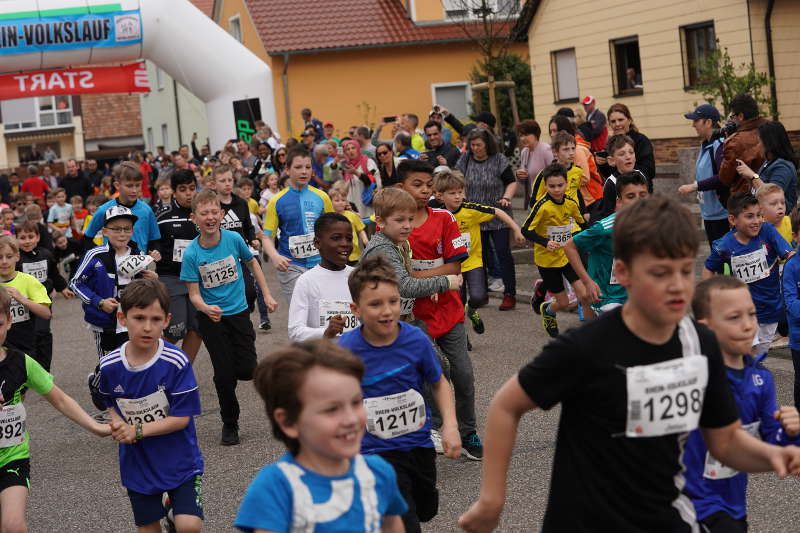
<point x="728" y="129"/>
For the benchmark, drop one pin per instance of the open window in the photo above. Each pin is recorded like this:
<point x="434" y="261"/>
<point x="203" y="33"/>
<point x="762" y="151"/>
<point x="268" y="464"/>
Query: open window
<point x="697" y="42"/>
<point x="626" y="66"/>
<point x="565" y="75"/>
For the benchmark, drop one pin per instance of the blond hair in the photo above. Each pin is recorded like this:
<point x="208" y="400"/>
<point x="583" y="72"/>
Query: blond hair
<point x="768" y="188"/>
<point x="448" y="180"/>
<point x="391" y="199"/>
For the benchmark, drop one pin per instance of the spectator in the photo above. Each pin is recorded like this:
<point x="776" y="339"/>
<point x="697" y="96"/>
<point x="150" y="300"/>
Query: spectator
<point x="307" y="138"/>
<point x="483" y="120"/>
<point x="633" y="80"/>
<point x="595" y="129"/>
<point x="197" y="156"/>
<point x="48" y="176"/>
<point x="279" y="159"/>
<point x="742" y="145"/>
<point x="74" y="183"/>
<point x="49" y="154"/>
<point x="327" y="130"/>
<point x="361" y="174"/>
<point x="247" y="157"/>
<point x="779" y="166"/>
<point x="362" y="135"/>
<point x="440" y="152"/>
<point x="490" y="181"/>
<point x="534" y="156"/>
<point x="619" y="117"/>
<point x="263" y="164"/>
<point x="402" y="146"/>
<point x="592" y="188"/>
<point x="387" y="165"/>
<point x="35" y="185"/>
<point x="314" y="123"/>
<point x="447" y="131"/>
<point x="93" y="174"/>
<point x="147" y="171"/>
<point x="409" y="123"/>
<point x="264" y="134"/>
<point x="323" y="167"/>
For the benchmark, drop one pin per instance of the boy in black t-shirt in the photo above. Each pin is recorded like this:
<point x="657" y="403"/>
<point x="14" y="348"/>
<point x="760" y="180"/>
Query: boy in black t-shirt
<point x="632" y="384"/>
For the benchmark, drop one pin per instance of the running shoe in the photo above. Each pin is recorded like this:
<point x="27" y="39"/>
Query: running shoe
<point x="436" y="438"/>
<point x="549" y="321"/>
<point x="230" y="434"/>
<point x="266" y="325"/>
<point x="472" y="447"/>
<point x="169" y="518"/>
<point x="475" y="318"/>
<point x="496" y="285"/>
<point x="538" y="296"/>
<point x="509" y="302"/>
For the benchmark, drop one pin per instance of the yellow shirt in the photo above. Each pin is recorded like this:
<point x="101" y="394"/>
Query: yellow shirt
<point x="253" y="206"/>
<point x="98" y="239"/>
<point x="469" y="217"/>
<point x="785" y="229"/>
<point x="358" y="225"/>
<point x="574" y="180"/>
<point x="32" y="289"/>
<point x="555" y="222"/>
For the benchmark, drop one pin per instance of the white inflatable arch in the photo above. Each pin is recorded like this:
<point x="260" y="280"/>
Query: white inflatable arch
<point x="180" y="39"/>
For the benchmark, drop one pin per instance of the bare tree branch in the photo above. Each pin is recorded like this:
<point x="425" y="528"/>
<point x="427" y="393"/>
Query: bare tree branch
<point x="487" y="23"/>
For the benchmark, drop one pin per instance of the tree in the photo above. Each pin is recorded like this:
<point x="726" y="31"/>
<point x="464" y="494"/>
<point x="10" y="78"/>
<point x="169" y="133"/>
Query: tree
<point x="719" y="81"/>
<point x="508" y="67"/>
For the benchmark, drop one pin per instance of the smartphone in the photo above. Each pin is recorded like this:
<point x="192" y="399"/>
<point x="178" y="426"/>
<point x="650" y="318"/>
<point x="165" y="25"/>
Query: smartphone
<point x="392" y="118"/>
<point x="602" y="153"/>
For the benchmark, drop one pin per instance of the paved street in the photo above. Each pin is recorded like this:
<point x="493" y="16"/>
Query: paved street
<point x="75" y="479"/>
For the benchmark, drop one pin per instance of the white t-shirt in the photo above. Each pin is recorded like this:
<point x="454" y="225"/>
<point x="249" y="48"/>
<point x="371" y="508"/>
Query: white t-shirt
<point x="317" y="294"/>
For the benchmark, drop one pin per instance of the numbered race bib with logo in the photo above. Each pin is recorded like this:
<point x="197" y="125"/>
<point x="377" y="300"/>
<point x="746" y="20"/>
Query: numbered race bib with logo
<point x="559" y="234"/>
<point x="19" y="313"/>
<point x="219" y="273"/>
<point x="302" y="246"/>
<point x="12" y="425"/>
<point x="37" y="269"/>
<point x="330" y="308"/>
<point x="178" y="249"/>
<point x="406" y="306"/>
<point x="466" y="240"/>
<point x="131" y="265"/>
<point x="715" y="470"/>
<point x="143" y="410"/>
<point x="395" y="415"/>
<point x="426" y="264"/>
<point x="750" y="267"/>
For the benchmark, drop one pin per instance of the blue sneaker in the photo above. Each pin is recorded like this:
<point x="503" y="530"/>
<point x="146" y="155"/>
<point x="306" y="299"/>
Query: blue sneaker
<point x="472" y="447"/>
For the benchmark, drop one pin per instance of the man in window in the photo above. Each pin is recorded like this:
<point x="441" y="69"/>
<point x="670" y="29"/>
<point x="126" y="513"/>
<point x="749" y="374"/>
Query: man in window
<point x="594" y="129"/>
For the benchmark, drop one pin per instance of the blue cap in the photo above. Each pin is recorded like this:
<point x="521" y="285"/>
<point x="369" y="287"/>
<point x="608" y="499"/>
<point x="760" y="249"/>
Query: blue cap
<point x="704" y="111"/>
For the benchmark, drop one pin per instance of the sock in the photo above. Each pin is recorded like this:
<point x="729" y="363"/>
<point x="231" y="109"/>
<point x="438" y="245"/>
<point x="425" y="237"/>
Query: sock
<point x="548" y="311"/>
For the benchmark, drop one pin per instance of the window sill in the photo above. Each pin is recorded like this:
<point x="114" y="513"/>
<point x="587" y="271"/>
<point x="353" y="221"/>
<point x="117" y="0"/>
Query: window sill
<point x="567" y="101"/>
<point x="630" y="92"/>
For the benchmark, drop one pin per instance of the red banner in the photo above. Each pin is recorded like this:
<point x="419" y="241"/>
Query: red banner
<point x="123" y="79"/>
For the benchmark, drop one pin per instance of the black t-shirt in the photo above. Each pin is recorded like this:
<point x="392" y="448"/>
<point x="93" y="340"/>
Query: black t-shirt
<point x="174" y="222"/>
<point x="237" y="218"/>
<point x="602" y="480"/>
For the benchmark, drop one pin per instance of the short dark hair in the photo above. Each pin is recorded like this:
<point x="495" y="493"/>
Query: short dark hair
<point x="562" y="124"/>
<point x="280" y="376"/>
<point x="432" y="124"/>
<point x="486" y="136"/>
<point x="182" y="177"/>
<point x="403" y="139"/>
<point x="658" y="225"/>
<point x="28" y="226"/>
<point x="630" y="178"/>
<point x="739" y="202"/>
<point x="562" y="138"/>
<point x="363" y="131"/>
<point x="409" y="166"/>
<point x="413" y="118"/>
<point x="245" y="182"/>
<point x="325" y="220"/>
<point x="529" y="127"/>
<point x="295" y="152"/>
<point x="745" y="104"/>
<point x="701" y="303"/>
<point x="371" y="271"/>
<point x="615" y="142"/>
<point x="143" y="292"/>
<point x="553" y="169"/>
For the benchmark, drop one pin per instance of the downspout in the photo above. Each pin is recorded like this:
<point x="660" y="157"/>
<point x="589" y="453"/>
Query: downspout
<point x="773" y="89"/>
<point x="287" y="109"/>
<point x="177" y="110"/>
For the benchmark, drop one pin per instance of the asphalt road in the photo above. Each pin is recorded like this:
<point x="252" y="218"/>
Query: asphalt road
<point x="75" y="477"/>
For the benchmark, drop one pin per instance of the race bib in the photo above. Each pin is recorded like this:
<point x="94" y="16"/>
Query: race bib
<point x="406" y="306"/>
<point x="219" y="273"/>
<point x="19" y="313"/>
<point x="426" y="264"/>
<point x="143" y="410"/>
<point x="715" y="470"/>
<point x="37" y="269"/>
<point x="395" y="415"/>
<point x="612" y="279"/>
<point x="12" y="425"/>
<point x="330" y="308"/>
<point x="302" y="246"/>
<point x="178" y="249"/>
<point x="131" y="265"/>
<point x="466" y="239"/>
<point x="750" y="267"/>
<point x="559" y="234"/>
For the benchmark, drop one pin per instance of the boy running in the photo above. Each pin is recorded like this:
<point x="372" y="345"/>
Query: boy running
<point x="563" y="146"/>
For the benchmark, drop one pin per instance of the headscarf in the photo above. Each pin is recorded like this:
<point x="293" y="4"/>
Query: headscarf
<point x="360" y="160"/>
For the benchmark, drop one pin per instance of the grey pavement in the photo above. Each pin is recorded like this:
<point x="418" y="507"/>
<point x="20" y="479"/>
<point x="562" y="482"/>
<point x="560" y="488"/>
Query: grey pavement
<point x="75" y="475"/>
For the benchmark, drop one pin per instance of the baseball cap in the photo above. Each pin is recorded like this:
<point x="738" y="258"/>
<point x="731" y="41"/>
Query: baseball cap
<point x="588" y="100"/>
<point x="486" y="117"/>
<point x="307" y="134"/>
<point x="704" y="111"/>
<point x="119" y="211"/>
<point x="328" y="125"/>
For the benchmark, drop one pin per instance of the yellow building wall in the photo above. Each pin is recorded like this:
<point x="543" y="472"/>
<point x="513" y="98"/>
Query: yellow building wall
<point x="428" y="10"/>
<point x="659" y="110"/>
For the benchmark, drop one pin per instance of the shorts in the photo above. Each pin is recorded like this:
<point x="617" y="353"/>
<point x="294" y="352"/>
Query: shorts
<point x="186" y="498"/>
<point x="552" y="277"/>
<point x="15" y="474"/>
<point x="288" y="279"/>
<point x="416" y="479"/>
<point x="605" y="308"/>
<point x="723" y="523"/>
<point x="184" y="313"/>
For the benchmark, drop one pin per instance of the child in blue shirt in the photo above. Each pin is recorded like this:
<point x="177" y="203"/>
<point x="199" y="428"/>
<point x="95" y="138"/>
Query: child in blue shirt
<point x="751" y="251"/>
<point x="212" y="270"/>
<point x="399" y="361"/>
<point x="312" y="394"/>
<point x="791" y="295"/>
<point x="719" y="492"/>
<point x="151" y="392"/>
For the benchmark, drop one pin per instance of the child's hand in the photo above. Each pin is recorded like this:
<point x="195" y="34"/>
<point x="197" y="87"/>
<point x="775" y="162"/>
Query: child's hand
<point x="280" y="262"/>
<point x="553" y="245"/>
<point x="451" y="441"/>
<point x="109" y="305"/>
<point x="272" y="304"/>
<point x="789" y="419"/>
<point x="335" y="327"/>
<point x="156" y="255"/>
<point x="101" y="430"/>
<point x="14" y="293"/>
<point x="149" y="274"/>
<point x="67" y="294"/>
<point x="123" y="433"/>
<point x="435" y="298"/>
<point x="455" y="281"/>
<point x="214" y="312"/>
<point x="519" y="238"/>
<point x="593" y="293"/>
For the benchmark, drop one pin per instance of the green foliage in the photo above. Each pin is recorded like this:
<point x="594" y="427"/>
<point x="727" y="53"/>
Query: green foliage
<point x="720" y="81"/>
<point x="512" y="67"/>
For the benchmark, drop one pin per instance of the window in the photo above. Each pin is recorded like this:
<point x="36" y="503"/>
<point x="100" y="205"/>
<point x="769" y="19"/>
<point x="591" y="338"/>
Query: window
<point x="41" y="112"/>
<point x="626" y="67"/>
<point x="455" y="96"/>
<point x="565" y="75"/>
<point x="470" y="9"/>
<point x="44" y="153"/>
<point x="697" y="42"/>
<point x="235" y="27"/>
<point x="150" y="140"/>
<point x="159" y="78"/>
<point x="165" y="136"/>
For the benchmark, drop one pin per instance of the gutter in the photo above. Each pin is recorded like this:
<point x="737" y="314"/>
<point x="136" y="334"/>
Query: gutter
<point x="286" y="107"/>
<point x="773" y="89"/>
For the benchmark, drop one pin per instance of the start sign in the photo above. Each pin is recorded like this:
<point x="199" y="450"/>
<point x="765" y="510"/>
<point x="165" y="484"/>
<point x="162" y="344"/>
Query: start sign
<point x="123" y="79"/>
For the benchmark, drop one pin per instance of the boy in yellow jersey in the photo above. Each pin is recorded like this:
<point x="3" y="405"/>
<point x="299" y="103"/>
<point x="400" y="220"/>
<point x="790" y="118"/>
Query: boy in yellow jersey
<point x="563" y="147"/>
<point x="549" y="225"/>
<point x="448" y="186"/>
<point x="772" y="202"/>
<point x="338" y="194"/>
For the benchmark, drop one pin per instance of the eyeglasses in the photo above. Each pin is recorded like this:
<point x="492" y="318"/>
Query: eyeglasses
<point x="120" y="229"/>
<point x="383" y="153"/>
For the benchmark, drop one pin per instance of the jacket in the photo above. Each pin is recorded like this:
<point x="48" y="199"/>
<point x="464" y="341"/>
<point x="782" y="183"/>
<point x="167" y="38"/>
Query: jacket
<point x="781" y="172"/>
<point x="744" y="145"/>
<point x="711" y="206"/>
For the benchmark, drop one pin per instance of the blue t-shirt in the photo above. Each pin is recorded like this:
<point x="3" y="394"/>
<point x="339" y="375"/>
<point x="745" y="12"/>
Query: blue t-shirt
<point x="766" y="292"/>
<point x="791" y="296"/>
<point x="406" y="364"/>
<point x="145" y="229"/>
<point x="164" y="386"/>
<point x="286" y="497"/>
<point x="218" y="271"/>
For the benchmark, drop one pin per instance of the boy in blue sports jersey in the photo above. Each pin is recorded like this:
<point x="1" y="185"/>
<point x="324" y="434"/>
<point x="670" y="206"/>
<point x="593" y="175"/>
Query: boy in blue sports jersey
<point x="752" y="250"/>
<point x="212" y="270"/>
<point x="791" y="296"/>
<point x="399" y="361"/>
<point x="293" y="211"/>
<point x="718" y="492"/>
<point x="312" y="394"/>
<point x="151" y="392"/>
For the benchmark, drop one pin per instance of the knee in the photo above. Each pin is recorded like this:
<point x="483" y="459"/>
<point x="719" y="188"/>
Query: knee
<point x="14" y="525"/>
<point x="188" y="524"/>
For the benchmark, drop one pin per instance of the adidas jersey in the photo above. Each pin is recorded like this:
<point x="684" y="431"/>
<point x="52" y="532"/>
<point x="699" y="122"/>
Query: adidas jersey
<point x="237" y="218"/>
<point x="163" y="386"/>
<point x="469" y="217"/>
<point x="555" y="222"/>
<point x="177" y="231"/>
<point x="294" y="212"/>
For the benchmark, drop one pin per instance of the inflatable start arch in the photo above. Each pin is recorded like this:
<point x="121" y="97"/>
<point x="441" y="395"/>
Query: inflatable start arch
<point x="179" y="38"/>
